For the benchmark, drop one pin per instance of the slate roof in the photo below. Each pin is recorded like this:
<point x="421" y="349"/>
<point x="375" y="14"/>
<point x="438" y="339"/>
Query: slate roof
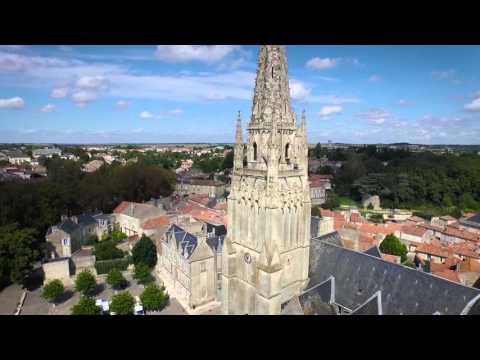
<point x="374" y="251"/>
<point x="186" y="242"/>
<point x="331" y="238"/>
<point x="358" y="276"/>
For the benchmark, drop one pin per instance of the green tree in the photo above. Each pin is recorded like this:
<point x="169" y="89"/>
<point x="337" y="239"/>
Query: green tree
<point x="228" y="161"/>
<point x="107" y="250"/>
<point x="18" y="252"/>
<point x="86" y="306"/>
<point x="316" y="211"/>
<point x="122" y="304"/>
<point x="53" y="290"/>
<point x="333" y="202"/>
<point x="393" y="246"/>
<point x="143" y="274"/>
<point x="145" y="252"/>
<point x="154" y="298"/>
<point x="86" y="283"/>
<point x="116" y="280"/>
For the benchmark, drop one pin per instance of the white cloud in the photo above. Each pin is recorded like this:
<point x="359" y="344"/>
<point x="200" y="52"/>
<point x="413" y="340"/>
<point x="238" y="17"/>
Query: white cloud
<point x="186" y="53"/>
<point x="83" y="97"/>
<point x="12" y="103"/>
<point x="332" y="99"/>
<point x="321" y="64"/>
<point x="473" y="106"/>
<point x="146" y="115"/>
<point x="298" y="91"/>
<point x="376" y="116"/>
<point x="59" y="93"/>
<point x="123" y="104"/>
<point x="403" y="102"/>
<point x="374" y="78"/>
<point x="48" y="108"/>
<point x="94" y="83"/>
<point x="330" y="110"/>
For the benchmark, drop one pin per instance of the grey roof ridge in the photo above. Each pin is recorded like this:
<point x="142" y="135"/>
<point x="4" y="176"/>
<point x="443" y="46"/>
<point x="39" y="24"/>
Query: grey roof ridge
<point x="403" y="266"/>
<point x="378" y="295"/>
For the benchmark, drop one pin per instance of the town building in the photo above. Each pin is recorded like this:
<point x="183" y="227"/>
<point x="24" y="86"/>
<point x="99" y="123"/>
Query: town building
<point x="16" y="157"/>
<point x="46" y="152"/>
<point x="319" y="186"/>
<point x="137" y="219"/>
<point x="93" y="166"/>
<point x="212" y="188"/>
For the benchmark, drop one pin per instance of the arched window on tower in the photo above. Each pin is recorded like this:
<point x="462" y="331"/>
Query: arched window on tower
<point x="287" y="150"/>
<point x="254" y="151"/>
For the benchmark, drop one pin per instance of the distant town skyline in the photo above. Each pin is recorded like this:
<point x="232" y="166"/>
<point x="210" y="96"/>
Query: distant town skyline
<point x="191" y="94"/>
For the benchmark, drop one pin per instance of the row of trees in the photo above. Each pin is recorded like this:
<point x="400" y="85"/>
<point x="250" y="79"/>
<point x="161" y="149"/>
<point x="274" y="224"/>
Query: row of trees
<point x="445" y="182"/>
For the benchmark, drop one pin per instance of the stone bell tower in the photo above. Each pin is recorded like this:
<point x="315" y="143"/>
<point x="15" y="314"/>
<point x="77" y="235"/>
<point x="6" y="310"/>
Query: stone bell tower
<point x="266" y="252"/>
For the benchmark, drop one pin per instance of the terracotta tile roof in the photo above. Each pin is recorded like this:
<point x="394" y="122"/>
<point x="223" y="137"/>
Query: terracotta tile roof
<point x="156" y="222"/>
<point x="416" y="219"/>
<point x="436" y="267"/>
<point x="433" y="249"/>
<point x="461" y="234"/>
<point x="204" y="214"/>
<point x="413" y="230"/>
<point x="319" y="180"/>
<point x="120" y="208"/>
<point x="391" y="258"/>
<point x="356" y="218"/>
<point x="449" y="275"/>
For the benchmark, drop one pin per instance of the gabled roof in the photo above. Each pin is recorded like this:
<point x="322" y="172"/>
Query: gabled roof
<point x="358" y="276"/>
<point x="373" y="306"/>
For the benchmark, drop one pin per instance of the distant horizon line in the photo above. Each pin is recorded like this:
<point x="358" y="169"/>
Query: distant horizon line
<point x="220" y="143"/>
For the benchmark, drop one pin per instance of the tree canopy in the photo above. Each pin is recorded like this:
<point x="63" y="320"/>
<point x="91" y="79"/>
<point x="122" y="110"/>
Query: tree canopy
<point x="116" y="280"/>
<point x="18" y="251"/>
<point x="143" y="274"/>
<point x="85" y="283"/>
<point x="393" y="246"/>
<point x="86" y="306"/>
<point x="53" y="290"/>
<point x="122" y="304"/>
<point x="154" y="298"/>
<point x="145" y="252"/>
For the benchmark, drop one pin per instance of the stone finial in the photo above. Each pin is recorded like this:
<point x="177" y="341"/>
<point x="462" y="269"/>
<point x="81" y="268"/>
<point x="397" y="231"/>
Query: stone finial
<point x="239" y="135"/>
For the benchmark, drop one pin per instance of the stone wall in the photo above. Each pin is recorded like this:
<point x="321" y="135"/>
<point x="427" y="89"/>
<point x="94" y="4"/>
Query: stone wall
<point x="58" y="269"/>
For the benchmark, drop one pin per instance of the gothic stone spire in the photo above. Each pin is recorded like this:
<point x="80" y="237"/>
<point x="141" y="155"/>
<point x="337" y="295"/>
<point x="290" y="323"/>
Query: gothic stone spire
<point x="271" y="101"/>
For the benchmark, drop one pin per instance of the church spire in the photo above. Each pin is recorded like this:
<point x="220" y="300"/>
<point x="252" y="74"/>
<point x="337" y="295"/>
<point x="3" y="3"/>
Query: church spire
<point x="238" y="135"/>
<point x="271" y="102"/>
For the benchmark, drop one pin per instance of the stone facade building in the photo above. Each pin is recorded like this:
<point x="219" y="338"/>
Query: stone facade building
<point x="212" y="188"/>
<point x="265" y="255"/>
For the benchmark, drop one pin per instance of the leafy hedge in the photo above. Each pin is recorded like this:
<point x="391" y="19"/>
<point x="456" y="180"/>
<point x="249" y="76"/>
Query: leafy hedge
<point x="104" y="267"/>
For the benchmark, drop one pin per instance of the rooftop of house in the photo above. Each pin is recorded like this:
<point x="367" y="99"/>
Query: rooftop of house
<point x="139" y="211"/>
<point x="357" y="278"/>
<point x="413" y="230"/>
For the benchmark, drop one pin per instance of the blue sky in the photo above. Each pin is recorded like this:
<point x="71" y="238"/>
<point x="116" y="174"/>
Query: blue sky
<point x="191" y="93"/>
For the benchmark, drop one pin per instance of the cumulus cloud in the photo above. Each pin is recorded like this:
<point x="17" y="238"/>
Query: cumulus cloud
<point x="93" y="83"/>
<point x="59" y="93"/>
<point x="48" y="108"/>
<point x="12" y="103"/>
<point x="330" y="110"/>
<point x="403" y="102"/>
<point x="322" y="64"/>
<point x="83" y="97"/>
<point x="298" y="91"/>
<point x="146" y="115"/>
<point x="187" y="53"/>
<point x="150" y="115"/>
<point x="473" y="106"/>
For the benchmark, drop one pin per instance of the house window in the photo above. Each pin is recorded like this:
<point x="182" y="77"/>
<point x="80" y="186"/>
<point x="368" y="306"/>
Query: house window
<point x="203" y="267"/>
<point x="65" y="242"/>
